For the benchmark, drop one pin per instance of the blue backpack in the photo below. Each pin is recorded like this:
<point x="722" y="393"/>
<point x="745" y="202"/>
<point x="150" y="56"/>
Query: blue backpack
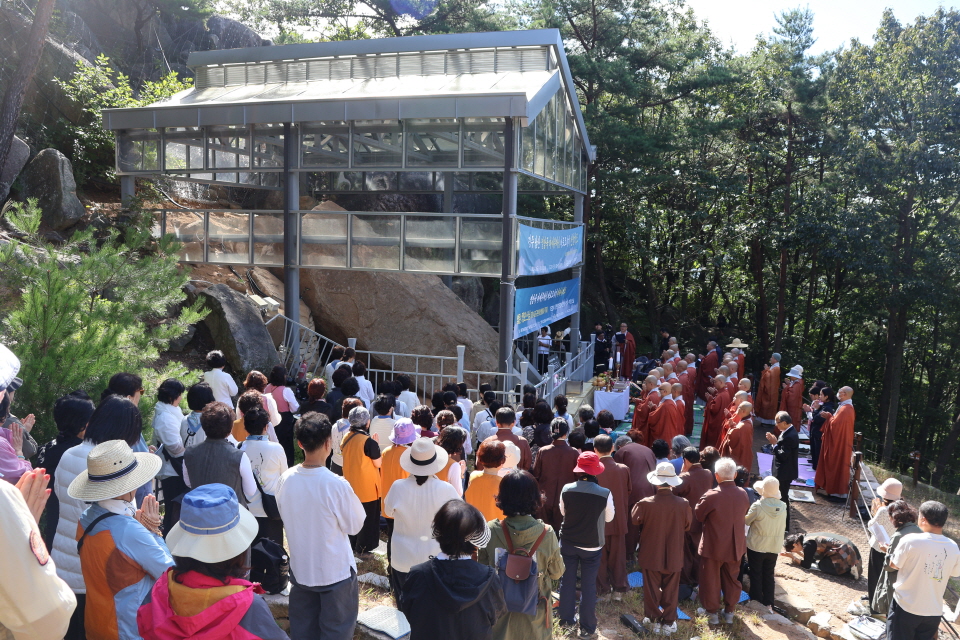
<point x="517" y="570"/>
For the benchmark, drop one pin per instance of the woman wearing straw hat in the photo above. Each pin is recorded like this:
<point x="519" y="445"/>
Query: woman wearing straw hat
<point x="767" y="519"/>
<point x="119" y="556"/>
<point x="412" y="503"/>
<point x="204" y="594"/>
<point x="887" y="493"/>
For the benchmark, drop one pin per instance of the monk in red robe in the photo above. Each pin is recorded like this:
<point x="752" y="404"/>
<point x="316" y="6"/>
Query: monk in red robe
<point x="688" y="378"/>
<point x="641" y="412"/>
<point x="713" y="416"/>
<point x="833" y="471"/>
<point x="627" y="350"/>
<point x="661" y="415"/>
<point x="791" y="399"/>
<point x="732" y="418"/>
<point x="676" y="424"/>
<point x="708" y="369"/>
<point x="768" y="391"/>
<point x="738" y="443"/>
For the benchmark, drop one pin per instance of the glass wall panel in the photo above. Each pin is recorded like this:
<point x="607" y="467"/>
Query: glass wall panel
<point x="376" y="241"/>
<point x="228" y="147"/>
<point x="377" y="143"/>
<point x="527" y="143"/>
<point x="183" y="148"/>
<point x="268" y="238"/>
<point x="483" y="142"/>
<point x="323" y="239"/>
<point x="417" y="180"/>
<point x="187" y="227"/>
<point x="229" y="241"/>
<point x="540" y="154"/>
<point x="550" y="152"/>
<point x="348" y="181"/>
<point x="268" y="146"/>
<point x="481" y="243"/>
<point x="138" y="150"/>
<point x="433" y="142"/>
<point x="430" y="243"/>
<point x="325" y="144"/>
<point x="380" y="180"/>
<point x="567" y="146"/>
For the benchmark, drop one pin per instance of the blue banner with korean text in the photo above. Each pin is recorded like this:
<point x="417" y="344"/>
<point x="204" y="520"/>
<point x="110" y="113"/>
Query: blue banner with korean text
<point x="549" y="250"/>
<point x="539" y="306"/>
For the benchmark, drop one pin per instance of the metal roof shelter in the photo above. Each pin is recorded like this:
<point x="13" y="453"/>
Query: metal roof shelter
<point x="460" y="113"/>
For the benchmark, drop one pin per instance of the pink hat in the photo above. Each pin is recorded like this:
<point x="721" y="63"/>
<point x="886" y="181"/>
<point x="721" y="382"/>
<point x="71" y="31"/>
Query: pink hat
<point x="403" y="431"/>
<point x="589" y="462"/>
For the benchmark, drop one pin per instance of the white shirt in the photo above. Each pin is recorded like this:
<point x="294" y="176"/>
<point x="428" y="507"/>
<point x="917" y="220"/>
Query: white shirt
<point x="340" y="429"/>
<point x="567" y="417"/>
<point x="486" y="429"/>
<point x="191" y="422"/>
<point x="382" y="426"/>
<point x="268" y="461"/>
<point x="401" y="409"/>
<point x="467" y="407"/>
<point x="247" y="483"/>
<point x="166" y="428"/>
<point x="410" y="399"/>
<point x="319" y="510"/>
<point x="482" y="416"/>
<point x="455" y="478"/>
<point x="222" y="384"/>
<point x="543" y="345"/>
<point x="413" y="508"/>
<point x="926" y="562"/>
<point x="366" y="391"/>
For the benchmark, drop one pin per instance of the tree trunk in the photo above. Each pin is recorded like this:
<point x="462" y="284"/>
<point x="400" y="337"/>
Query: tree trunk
<point x="784" y="261"/>
<point x="811" y="290"/>
<point x="756" y="269"/>
<point x="893" y="366"/>
<point x="946" y="449"/>
<point x="17" y="87"/>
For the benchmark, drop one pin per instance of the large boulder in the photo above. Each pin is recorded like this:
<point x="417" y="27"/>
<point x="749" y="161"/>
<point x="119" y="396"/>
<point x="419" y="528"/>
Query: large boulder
<point x="17" y="157"/>
<point x="49" y="179"/>
<point x="227" y="33"/>
<point x="238" y="330"/>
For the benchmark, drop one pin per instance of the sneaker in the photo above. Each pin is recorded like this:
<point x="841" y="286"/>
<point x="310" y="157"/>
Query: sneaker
<point x="587" y="635"/>
<point x="618" y="597"/>
<point x="668" y="629"/>
<point x="654" y="627"/>
<point x="728" y="617"/>
<point x="713" y="619"/>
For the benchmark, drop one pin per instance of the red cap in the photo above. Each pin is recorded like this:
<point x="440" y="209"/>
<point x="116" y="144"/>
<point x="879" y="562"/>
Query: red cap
<point x="589" y="462"/>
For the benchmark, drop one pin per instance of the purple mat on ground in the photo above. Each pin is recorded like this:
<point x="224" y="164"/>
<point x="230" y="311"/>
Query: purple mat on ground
<point x="765" y="464"/>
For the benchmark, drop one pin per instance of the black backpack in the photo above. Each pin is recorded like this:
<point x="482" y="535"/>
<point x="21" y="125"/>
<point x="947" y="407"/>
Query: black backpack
<point x="269" y="566"/>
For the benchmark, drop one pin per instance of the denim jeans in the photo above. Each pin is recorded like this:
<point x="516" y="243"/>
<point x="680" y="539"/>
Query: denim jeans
<point x="588" y="562"/>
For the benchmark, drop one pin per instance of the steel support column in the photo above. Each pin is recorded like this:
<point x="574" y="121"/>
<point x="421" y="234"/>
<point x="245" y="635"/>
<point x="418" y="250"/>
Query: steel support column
<point x="508" y="275"/>
<point x="291" y="231"/>
<point x="578" y="275"/>
<point x="128" y="190"/>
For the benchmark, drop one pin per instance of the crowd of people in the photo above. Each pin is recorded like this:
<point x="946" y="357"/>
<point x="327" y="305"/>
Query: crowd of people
<point x="484" y="507"/>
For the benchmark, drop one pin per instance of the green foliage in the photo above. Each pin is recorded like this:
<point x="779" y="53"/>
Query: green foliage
<point x="87" y="143"/>
<point x="89" y="308"/>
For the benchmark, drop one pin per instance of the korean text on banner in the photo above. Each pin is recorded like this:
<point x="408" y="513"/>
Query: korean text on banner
<point x="539" y="306"/>
<point x="549" y="250"/>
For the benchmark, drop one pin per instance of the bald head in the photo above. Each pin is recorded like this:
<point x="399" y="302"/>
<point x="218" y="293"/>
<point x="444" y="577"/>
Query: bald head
<point x="682" y="366"/>
<point x="744" y="384"/>
<point x="744" y="409"/>
<point x="741" y="396"/>
<point x="665" y="389"/>
<point x="724" y="370"/>
<point x="667" y="369"/>
<point x="711" y="345"/>
<point x="845" y="393"/>
<point x="719" y="382"/>
<point x="732" y="365"/>
<point x="677" y="390"/>
<point x="650" y="382"/>
<point x="690" y="358"/>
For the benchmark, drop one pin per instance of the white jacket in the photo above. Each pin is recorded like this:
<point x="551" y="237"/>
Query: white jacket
<point x="166" y="428"/>
<point x="73" y="462"/>
<point x="269" y="462"/>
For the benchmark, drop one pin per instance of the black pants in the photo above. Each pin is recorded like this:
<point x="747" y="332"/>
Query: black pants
<point x="543" y="361"/>
<point x="903" y="625"/>
<point x="874" y="571"/>
<point x="76" y="629"/>
<point x="397" y="580"/>
<point x="369" y="537"/>
<point x="284" y="432"/>
<point x="785" y="496"/>
<point x="270" y="529"/>
<point x="762" y="566"/>
<point x="173" y="489"/>
<point x="816" y="440"/>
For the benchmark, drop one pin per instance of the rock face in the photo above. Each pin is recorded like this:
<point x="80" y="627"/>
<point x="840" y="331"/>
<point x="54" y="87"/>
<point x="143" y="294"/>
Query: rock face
<point x="238" y="330"/>
<point x="470" y="290"/>
<point x="231" y="34"/>
<point x="49" y="179"/>
<point x="17" y="157"/>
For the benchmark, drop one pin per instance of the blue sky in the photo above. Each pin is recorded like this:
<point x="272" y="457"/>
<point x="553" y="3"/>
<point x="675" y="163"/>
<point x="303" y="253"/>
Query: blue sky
<point x="738" y="22"/>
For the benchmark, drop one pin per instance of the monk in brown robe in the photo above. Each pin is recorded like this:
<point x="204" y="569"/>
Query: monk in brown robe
<point x="640" y="460"/>
<point x="675" y="427"/>
<point x="768" y="391"/>
<point x="722" y="511"/>
<point x="730" y="414"/>
<point x="791" y="398"/>
<point x="695" y="481"/>
<point x="506" y="418"/>
<point x="613" y="559"/>
<point x="708" y="369"/>
<point x="713" y="416"/>
<point x="660" y="414"/>
<point x="833" y="471"/>
<point x="641" y="412"/>
<point x="664" y="519"/>
<point x="553" y="469"/>
<point x="627" y="351"/>
<point x="738" y="443"/>
<point x="688" y="378"/>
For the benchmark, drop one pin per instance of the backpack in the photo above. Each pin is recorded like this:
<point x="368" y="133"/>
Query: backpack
<point x="269" y="566"/>
<point x="517" y="571"/>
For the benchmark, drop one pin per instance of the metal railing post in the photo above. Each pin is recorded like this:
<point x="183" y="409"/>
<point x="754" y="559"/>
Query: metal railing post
<point x="461" y="351"/>
<point x="352" y="343"/>
<point x="524" y="367"/>
<point x="551" y="382"/>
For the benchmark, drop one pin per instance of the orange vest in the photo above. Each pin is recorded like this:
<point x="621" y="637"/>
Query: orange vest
<point x="446" y="470"/>
<point x="390" y="470"/>
<point x="358" y="469"/>
<point x="239" y="431"/>
<point x="481" y="493"/>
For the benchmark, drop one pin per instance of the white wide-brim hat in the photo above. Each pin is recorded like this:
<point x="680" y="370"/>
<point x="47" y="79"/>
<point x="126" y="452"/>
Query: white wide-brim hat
<point x="664" y="474"/>
<point x="736" y="344"/>
<point x="423" y="458"/>
<point x="769" y="487"/>
<point x="796" y="372"/>
<point x="891" y="489"/>
<point x="213" y="527"/>
<point x="113" y="469"/>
